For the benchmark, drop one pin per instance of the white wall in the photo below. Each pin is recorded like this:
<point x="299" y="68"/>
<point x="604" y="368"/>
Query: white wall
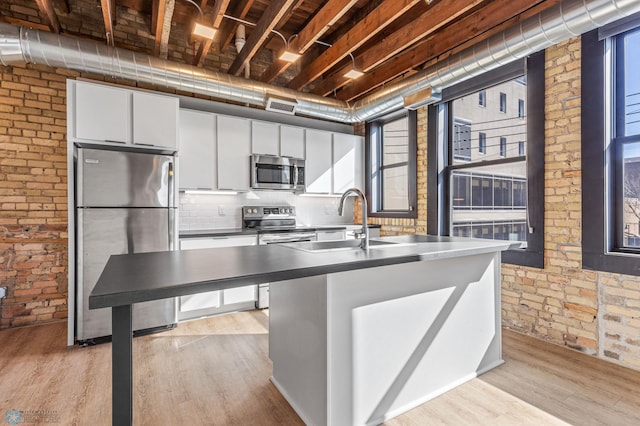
<point x="207" y="211"/>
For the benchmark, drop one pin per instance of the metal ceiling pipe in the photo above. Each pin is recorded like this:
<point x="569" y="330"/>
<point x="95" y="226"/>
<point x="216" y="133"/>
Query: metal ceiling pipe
<point x="558" y="23"/>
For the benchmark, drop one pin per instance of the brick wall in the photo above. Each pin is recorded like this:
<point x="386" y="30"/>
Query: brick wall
<point x="33" y="195"/>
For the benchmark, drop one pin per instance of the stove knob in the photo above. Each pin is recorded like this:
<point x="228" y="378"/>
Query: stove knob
<point x="254" y="211"/>
<point x="286" y="210"/>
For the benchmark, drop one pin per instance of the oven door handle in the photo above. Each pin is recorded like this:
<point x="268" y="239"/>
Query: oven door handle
<point x="288" y="239"/>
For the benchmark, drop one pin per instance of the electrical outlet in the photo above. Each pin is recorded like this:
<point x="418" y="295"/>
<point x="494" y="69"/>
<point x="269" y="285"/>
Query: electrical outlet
<point x="221" y="210"/>
<point x="3" y="292"/>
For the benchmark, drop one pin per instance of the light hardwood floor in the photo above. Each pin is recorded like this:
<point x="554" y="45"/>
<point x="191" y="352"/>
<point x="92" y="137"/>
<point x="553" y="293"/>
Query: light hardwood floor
<point x="216" y="371"/>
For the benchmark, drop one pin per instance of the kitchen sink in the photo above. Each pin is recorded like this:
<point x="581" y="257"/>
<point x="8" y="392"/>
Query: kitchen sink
<point x="337" y="245"/>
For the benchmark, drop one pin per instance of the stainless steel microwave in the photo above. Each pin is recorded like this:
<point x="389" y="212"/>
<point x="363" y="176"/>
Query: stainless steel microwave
<point x="272" y="172"/>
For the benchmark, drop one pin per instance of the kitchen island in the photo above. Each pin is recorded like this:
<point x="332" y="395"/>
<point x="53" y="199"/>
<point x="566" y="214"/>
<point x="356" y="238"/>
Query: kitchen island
<point x="453" y="280"/>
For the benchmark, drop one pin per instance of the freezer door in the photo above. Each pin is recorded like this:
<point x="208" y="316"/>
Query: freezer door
<point x="102" y="233"/>
<point x="124" y="179"/>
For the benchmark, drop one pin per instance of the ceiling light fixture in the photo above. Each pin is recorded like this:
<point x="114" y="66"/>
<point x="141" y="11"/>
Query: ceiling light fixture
<point x="203" y="31"/>
<point x="353" y="73"/>
<point x="200" y="29"/>
<point x="289" y="55"/>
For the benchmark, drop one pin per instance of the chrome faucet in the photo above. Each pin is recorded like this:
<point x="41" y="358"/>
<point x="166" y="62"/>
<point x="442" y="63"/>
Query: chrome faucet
<point x="364" y="234"/>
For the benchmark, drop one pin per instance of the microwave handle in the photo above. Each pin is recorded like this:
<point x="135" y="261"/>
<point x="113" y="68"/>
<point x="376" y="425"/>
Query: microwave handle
<point x="295" y="176"/>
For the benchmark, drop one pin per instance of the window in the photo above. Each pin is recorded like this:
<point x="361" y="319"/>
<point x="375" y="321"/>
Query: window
<point x="462" y="141"/>
<point x="391" y="165"/>
<point x="482" y="142"/>
<point x="520" y="108"/>
<point x="498" y="190"/>
<point x="482" y="98"/>
<point x="611" y="151"/>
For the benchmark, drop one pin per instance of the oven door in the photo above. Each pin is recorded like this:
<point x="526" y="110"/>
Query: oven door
<point x="269" y="172"/>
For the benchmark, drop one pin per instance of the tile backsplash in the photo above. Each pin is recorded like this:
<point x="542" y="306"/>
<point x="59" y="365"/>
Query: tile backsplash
<point x="207" y="211"/>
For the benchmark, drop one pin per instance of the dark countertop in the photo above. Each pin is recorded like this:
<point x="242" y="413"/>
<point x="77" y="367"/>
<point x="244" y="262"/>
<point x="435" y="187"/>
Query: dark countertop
<point x="134" y="278"/>
<point x="229" y="232"/>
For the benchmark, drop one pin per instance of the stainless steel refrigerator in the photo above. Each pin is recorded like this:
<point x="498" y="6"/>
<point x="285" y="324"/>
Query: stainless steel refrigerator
<point x="125" y="203"/>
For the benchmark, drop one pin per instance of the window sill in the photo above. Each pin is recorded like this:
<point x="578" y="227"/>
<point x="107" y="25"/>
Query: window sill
<point x="615" y="262"/>
<point x="395" y="215"/>
<point x="523" y="257"/>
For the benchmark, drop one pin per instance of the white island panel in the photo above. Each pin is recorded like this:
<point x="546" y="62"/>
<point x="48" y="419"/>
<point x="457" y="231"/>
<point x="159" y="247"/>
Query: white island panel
<point x="396" y="336"/>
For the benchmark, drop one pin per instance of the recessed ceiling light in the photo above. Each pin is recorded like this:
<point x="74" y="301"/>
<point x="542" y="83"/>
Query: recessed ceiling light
<point x="353" y="74"/>
<point x="204" y="31"/>
<point x="289" y="56"/>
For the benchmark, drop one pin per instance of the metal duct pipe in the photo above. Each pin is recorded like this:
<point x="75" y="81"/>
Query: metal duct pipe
<point x="558" y="23"/>
<point x="241" y="39"/>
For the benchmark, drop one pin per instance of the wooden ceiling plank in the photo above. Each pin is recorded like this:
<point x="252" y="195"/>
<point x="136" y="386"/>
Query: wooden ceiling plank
<point x="163" y="27"/>
<point x="331" y="12"/>
<point x="228" y="26"/>
<point x="108" y="16"/>
<point x="259" y="34"/>
<point x="215" y="19"/>
<point x="372" y="24"/>
<point x="46" y="9"/>
<point x="496" y="16"/>
<point x="433" y="19"/>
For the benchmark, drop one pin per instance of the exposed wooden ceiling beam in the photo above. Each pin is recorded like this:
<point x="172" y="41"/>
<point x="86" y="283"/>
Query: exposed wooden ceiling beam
<point x="372" y="24"/>
<point x="109" y="17"/>
<point x="228" y="26"/>
<point x="319" y="24"/>
<point x="46" y="9"/>
<point x="437" y="16"/>
<point x="162" y="19"/>
<point x="269" y="19"/>
<point x="494" y="17"/>
<point x="215" y="19"/>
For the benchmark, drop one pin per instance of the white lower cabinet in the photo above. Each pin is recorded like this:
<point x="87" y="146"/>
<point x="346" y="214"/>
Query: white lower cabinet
<point x="217" y="302"/>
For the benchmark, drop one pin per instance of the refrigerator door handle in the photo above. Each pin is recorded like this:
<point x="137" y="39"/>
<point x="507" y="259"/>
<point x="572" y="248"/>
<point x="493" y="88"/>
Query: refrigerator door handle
<point x="171" y="185"/>
<point x="173" y="240"/>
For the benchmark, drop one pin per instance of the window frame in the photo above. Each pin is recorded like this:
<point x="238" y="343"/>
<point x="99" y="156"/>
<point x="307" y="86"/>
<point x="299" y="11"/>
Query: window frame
<point x="375" y="127"/>
<point x="482" y="98"/>
<point x="600" y="217"/>
<point x="438" y="218"/>
<point x="503" y="104"/>
<point x="482" y="142"/>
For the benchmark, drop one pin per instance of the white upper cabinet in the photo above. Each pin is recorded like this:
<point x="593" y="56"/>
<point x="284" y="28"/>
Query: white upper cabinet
<point x="112" y="114"/>
<point x="234" y="151"/>
<point x="347" y="162"/>
<point x="292" y="141"/>
<point x="198" y="156"/>
<point x="318" y="161"/>
<point x="103" y="113"/>
<point x="264" y="138"/>
<point x="155" y="120"/>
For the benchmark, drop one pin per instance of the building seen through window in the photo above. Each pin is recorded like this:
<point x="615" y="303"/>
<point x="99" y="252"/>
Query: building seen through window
<point x="488" y="185"/>
<point x="628" y="143"/>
